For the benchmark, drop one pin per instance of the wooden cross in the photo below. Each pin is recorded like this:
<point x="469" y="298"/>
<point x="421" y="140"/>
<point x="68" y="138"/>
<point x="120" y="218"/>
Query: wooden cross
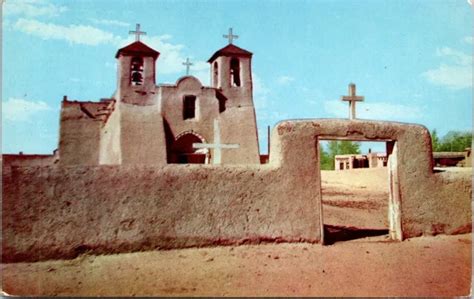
<point x="187" y="63"/>
<point x="352" y="98"/>
<point x="137" y="32"/>
<point x="230" y="36"/>
<point x="217" y="145"/>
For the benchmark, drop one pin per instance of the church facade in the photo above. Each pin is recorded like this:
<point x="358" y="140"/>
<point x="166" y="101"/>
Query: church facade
<point x="149" y="124"/>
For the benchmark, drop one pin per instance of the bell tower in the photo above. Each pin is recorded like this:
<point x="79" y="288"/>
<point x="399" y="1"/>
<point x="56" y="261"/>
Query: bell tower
<point x="231" y="72"/>
<point x="231" y="76"/>
<point x="136" y="71"/>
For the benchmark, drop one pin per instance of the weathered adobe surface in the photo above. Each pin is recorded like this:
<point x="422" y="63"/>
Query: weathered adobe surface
<point x="54" y="212"/>
<point x="430" y="203"/>
<point x="59" y="212"/>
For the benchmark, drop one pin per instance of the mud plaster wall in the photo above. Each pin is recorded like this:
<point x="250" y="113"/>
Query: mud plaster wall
<point x="54" y="212"/>
<point x="142" y="135"/>
<point x="79" y="136"/>
<point x="237" y="123"/>
<point x="207" y="108"/>
<point x="430" y="203"/>
<point x="58" y="212"/>
<point x="110" y="150"/>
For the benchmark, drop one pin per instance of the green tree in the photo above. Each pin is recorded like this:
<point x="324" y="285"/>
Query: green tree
<point x="435" y="141"/>
<point x="453" y="141"/>
<point x="326" y="162"/>
<point x="337" y="148"/>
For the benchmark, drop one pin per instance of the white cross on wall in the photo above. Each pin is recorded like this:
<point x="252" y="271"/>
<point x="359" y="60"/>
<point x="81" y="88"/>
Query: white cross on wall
<point x="352" y="98"/>
<point x="187" y="63"/>
<point x="230" y="36"/>
<point x="217" y="146"/>
<point x="137" y="32"/>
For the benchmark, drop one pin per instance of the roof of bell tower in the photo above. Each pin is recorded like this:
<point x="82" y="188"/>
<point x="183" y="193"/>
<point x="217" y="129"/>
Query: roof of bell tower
<point x="137" y="48"/>
<point x="230" y="50"/>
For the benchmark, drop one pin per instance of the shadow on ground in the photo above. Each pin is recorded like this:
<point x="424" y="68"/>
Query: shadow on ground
<point x="336" y="233"/>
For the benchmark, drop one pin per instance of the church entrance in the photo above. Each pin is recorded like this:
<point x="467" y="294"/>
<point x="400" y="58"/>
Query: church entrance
<point x="182" y="151"/>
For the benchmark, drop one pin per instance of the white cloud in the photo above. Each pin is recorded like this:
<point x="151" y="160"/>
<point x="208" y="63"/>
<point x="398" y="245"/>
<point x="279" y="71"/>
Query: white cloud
<point x="21" y="110"/>
<point x="32" y="8"/>
<point x="458" y="56"/>
<point x="455" y="75"/>
<point x="283" y="80"/>
<point x="376" y="111"/>
<point x="77" y="34"/>
<point x="200" y="70"/>
<point x="171" y="56"/>
<point x="110" y="22"/>
<point x="169" y="62"/>
<point x="469" y="40"/>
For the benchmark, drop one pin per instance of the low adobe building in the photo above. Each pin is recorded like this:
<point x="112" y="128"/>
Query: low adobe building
<point x="450" y="159"/>
<point x="352" y="161"/>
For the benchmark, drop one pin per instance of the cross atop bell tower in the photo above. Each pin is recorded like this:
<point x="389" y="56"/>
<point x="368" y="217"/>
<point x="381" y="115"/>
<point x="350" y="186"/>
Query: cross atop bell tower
<point x="230" y="36"/>
<point x="137" y="32"/>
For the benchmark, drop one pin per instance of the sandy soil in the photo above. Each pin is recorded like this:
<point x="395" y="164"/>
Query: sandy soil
<point x="362" y="266"/>
<point x="357" y="198"/>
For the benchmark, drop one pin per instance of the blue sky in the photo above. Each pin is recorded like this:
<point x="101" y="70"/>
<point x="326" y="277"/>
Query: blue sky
<point x="412" y="60"/>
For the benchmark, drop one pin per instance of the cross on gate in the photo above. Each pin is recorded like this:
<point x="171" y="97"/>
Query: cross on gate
<point x="137" y="32"/>
<point x="230" y="36"/>
<point x="352" y="98"/>
<point x="187" y="63"/>
<point x="217" y="145"/>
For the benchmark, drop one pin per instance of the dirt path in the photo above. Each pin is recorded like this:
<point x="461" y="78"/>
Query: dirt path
<point x="356" y="198"/>
<point x="435" y="266"/>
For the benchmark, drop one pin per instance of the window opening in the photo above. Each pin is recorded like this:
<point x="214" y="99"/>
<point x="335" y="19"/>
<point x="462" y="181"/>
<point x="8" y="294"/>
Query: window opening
<point x="136" y="71"/>
<point x="216" y="74"/>
<point x="222" y="101"/>
<point x="189" y="107"/>
<point x="234" y="72"/>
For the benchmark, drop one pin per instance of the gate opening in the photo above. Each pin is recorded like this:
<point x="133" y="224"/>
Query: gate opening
<point x="359" y="190"/>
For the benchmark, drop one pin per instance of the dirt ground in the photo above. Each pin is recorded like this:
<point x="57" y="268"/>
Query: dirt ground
<point x="360" y="262"/>
<point x="356" y="198"/>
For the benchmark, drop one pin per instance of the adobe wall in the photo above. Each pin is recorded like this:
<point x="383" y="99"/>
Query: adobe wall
<point x="207" y="107"/>
<point x="239" y="126"/>
<point x="22" y="160"/>
<point x="28" y="160"/>
<point x="79" y="134"/>
<point x="110" y="145"/>
<point x="142" y="135"/>
<point x="55" y="212"/>
<point x="58" y="212"/>
<point x="429" y="203"/>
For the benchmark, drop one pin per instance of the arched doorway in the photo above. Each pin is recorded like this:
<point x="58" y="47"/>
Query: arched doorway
<point x="182" y="151"/>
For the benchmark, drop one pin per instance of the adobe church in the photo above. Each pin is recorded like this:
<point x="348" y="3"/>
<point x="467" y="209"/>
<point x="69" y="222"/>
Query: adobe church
<point x="150" y="124"/>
